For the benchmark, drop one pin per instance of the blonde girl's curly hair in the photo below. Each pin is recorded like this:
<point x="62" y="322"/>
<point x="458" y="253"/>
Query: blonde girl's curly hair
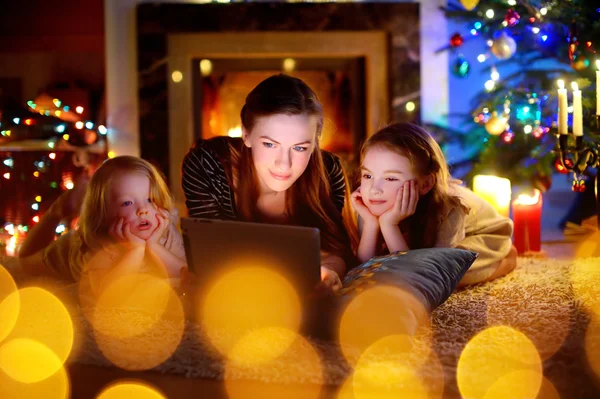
<point x="94" y="223"/>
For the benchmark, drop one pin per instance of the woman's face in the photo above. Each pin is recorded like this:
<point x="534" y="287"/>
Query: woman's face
<point x="281" y="148"/>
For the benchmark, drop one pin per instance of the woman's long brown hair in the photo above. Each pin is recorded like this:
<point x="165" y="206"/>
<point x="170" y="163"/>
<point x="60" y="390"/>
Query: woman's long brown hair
<point x="427" y="158"/>
<point x="309" y="200"/>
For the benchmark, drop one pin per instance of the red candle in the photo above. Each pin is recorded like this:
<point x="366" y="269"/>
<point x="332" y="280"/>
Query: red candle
<point x="527" y="215"/>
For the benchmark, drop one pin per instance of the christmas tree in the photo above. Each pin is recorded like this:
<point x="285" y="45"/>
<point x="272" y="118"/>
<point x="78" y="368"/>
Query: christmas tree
<point x="513" y="120"/>
<point x="44" y="146"/>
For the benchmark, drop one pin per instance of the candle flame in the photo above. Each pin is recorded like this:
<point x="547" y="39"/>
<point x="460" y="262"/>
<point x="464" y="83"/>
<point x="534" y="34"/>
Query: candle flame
<point x="574" y="86"/>
<point x="560" y="83"/>
<point x="525" y="199"/>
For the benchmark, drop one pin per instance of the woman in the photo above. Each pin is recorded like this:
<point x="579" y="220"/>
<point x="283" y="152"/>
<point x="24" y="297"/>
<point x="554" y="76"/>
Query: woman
<point x="276" y="173"/>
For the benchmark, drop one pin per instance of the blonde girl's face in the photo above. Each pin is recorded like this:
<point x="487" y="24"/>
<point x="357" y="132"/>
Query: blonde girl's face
<point x="383" y="172"/>
<point x="281" y="148"/>
<point x="129" y="199"/>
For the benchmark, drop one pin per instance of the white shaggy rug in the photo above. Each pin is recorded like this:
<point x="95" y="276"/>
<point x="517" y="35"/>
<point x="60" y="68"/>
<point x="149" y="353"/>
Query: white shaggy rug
<point x="540" y="299"/>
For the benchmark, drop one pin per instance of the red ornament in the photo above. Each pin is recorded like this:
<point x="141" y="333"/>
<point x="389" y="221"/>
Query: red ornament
<point x="456" y="40"/>
<point x="560" y="168"/>
<point x="573" y="41"/>
<point x="538" y="132"/>
<point x="532" y="19"/>
<point x="512" y="17"/>
<point x="578" y="186"/>
<point x="508" y="137"/>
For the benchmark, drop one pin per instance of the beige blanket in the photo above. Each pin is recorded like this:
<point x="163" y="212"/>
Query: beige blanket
<point x="486" y="232"/>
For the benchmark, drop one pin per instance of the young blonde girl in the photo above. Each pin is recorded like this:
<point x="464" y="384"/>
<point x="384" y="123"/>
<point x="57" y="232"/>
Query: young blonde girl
<point x="124" y="221"/>
<point x="408" y="200"/>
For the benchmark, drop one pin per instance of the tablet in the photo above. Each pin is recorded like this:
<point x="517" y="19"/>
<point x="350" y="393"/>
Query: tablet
<point x="215" y="247"/>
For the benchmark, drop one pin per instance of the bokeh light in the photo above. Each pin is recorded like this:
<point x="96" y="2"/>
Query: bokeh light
<point x="142" y="327"/>
<point x="547" y="333"/>
<point x="28" y="361"/>
<point x="262" y="345"/>
<point x="42" y="318"/>
<point x="299" y="362"/>
<point x="97" y="284"/>
<point x="517" y="384"/>
<point x="499" y="362"/>
<point x="585" y="275"/>
<point x="55" y="386"/>
<point x="548" y="390"/>
<point x="377" y="313"/>
<point x="131" y="390"/>
<point x="9" y="303"/>
<point x="592" y="344"/>
<point x="397" y="367"/>
<point x="145" y="295"/>
<point x="247" y="299"/>
<point x="385" y="379"/>
<point x="588" y="247"/>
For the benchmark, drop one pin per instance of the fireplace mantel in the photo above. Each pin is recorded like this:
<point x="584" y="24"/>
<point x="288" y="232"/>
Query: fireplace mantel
<point x="122" y="59"/>
<point x="182" y="48"/>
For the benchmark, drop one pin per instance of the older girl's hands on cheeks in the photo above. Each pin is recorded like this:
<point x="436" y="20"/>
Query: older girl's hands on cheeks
<point x="404" y="206"/>
<point x="362" y="210"/>
<point x="120" y="231"/>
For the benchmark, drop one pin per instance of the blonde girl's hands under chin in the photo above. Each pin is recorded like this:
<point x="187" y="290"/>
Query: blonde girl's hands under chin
<point x="162" y="219"/>
<point x="360" y="207"/>
<point x="405" y="205"/>
<point x="120" y="231"/>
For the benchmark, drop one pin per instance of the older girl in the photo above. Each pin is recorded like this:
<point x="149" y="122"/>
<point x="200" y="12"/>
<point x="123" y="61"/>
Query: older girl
<point x="407" y="200"/>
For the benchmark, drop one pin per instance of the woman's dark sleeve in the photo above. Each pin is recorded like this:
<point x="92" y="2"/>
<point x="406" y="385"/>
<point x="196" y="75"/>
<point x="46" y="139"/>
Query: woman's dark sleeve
<point x="200" y="171"/>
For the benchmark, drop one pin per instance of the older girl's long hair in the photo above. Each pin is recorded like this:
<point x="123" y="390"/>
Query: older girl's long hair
<point x="94" y="222"/>
<point x="427" y="158"/>
<point x="309" y="200"/>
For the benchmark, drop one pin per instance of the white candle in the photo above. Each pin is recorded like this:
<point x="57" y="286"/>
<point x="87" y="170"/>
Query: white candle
<point x="563" y="127"/>
<point x="598" y="87"/>
<point x="577" y="111"/>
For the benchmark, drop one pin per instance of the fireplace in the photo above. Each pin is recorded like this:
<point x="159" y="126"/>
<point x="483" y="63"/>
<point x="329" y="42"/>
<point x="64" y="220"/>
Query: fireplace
<point x="221" y="87"/>
<point x="362" y="60"/>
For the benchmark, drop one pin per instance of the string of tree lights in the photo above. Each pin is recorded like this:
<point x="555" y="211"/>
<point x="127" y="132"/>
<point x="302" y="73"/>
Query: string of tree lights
<point x="44" y="146"/>
<point x="512" y="115"/>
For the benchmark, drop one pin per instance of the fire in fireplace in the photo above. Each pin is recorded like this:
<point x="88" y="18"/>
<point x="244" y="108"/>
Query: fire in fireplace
<point x="221" y="86"/>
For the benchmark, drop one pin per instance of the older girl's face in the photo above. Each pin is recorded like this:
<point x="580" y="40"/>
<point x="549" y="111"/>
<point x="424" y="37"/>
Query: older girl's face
<point x="383" y="172"/>
<point x="281" y="148"/>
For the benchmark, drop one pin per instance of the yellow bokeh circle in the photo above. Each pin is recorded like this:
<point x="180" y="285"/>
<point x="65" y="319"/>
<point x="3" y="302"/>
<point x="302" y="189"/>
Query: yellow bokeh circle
<point x="248" y="299"/>
<point x="292" y="364"/>
<point x="130" y="390"/>
<point x="377" y="313"/>
<point x="28" y="361"/>
<point x="55" y="386"/>
<point x="43" y="318"/>
<point x="495" y="361"/>
<point x="9" y="303"/>
<point x="143" y="329"/>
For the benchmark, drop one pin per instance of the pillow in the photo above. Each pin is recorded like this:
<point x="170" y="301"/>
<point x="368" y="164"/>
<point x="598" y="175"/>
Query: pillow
<point x="431" y="273"/>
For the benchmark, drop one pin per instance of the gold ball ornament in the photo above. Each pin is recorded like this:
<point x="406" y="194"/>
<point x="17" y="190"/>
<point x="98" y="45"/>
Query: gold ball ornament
<point x="504" y="46"/>
<point x="496" y="125"/>
<point x="469" y="4"/>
